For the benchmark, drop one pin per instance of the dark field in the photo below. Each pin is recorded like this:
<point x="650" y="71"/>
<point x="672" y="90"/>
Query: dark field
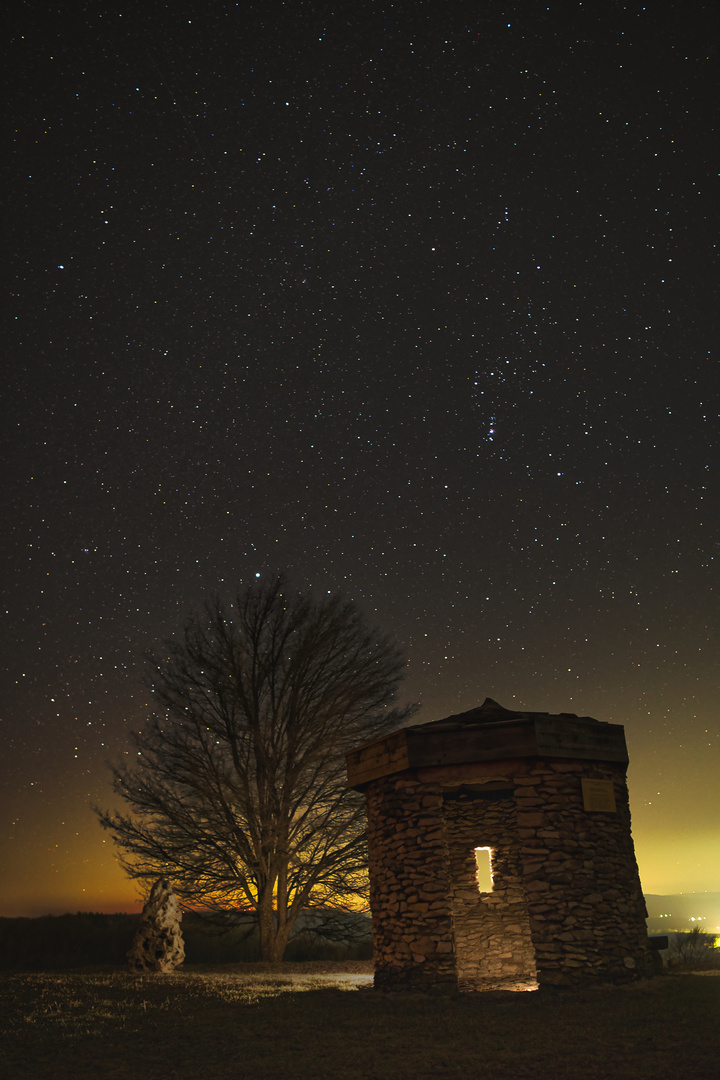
<point x="309" y="1022"/>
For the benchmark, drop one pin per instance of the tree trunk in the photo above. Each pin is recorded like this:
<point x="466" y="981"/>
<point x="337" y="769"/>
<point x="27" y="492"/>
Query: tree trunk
<point x="266" y="926"/>
<point x="274" y="933"/>
<point x="273" y="942"/>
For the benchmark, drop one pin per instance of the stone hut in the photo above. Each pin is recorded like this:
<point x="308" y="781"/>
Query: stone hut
<point x="543" y="800"/>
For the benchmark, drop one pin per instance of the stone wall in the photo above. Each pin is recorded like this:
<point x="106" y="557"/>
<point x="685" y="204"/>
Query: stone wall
<point x="409" y="886"/>
<point x="587" y="912"/>
<point x="491" y="930"/>
<point x="566" y="904"/>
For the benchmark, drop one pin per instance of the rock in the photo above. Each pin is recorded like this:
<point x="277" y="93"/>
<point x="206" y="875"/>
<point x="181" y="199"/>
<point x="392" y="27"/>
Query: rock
<point x="158" y="942"/>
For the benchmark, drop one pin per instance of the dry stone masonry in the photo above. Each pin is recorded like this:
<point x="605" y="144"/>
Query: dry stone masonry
<point x="548" y="796"/>
<point x="158" y="942"/>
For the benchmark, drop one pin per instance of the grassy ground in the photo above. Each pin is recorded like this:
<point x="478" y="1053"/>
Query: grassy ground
<point x="224" y="1023"/>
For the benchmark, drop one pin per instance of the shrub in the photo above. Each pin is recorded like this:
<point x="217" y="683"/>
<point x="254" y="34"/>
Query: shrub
<point x="693" y="949"/>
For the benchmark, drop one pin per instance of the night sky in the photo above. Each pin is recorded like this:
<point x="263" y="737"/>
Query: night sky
<point x="415" y="301"/>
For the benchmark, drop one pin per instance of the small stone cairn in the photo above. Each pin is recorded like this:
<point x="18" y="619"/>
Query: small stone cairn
<point x="158" y="942"/>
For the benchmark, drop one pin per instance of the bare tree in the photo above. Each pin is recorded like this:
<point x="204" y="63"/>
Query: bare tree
<point x="238" y="792"/>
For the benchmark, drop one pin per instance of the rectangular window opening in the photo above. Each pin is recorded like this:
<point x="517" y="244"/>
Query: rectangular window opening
<point x="483" y="858"/>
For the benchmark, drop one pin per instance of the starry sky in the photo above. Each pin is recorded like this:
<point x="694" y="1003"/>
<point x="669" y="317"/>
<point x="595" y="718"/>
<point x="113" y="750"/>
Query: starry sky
<point x="416" y="301"/>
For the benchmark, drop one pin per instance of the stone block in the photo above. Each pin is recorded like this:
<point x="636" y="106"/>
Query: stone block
<point x="158" y="942"/>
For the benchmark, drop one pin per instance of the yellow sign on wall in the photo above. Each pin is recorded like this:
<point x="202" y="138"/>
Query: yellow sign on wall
<point x="598" y="795"/>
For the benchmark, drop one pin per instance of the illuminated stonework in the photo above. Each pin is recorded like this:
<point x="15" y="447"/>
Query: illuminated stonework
<point x="491" y="929"/>
<point x="566" y="904"/>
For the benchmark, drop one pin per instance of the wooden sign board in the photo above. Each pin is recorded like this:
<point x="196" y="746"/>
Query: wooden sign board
<point x="598" y="795"/>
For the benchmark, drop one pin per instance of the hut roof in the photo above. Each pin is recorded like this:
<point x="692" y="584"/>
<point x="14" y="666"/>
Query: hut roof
<point x="487" y="733"/>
